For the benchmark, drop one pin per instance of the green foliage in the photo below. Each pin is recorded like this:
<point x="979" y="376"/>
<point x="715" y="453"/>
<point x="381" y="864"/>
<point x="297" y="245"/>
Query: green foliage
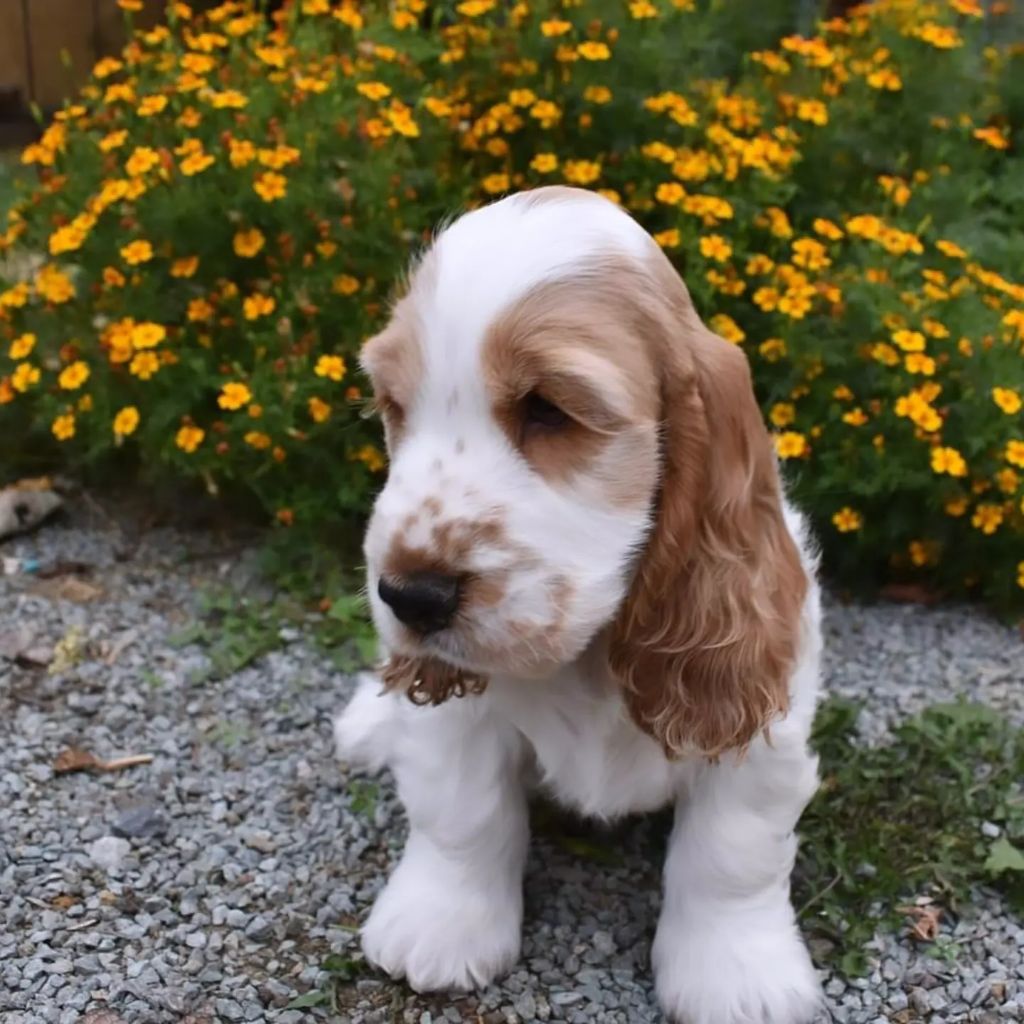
<point x="225" y="212"/>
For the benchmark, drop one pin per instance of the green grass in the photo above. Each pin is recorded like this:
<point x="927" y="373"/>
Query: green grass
<point x="901" y="821"/>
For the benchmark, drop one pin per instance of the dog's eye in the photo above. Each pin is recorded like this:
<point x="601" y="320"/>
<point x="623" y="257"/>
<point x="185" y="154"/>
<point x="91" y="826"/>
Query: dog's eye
<point x="541" y="414"/>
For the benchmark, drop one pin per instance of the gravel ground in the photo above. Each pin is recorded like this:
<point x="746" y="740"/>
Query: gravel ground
<point x="212" y="883"/>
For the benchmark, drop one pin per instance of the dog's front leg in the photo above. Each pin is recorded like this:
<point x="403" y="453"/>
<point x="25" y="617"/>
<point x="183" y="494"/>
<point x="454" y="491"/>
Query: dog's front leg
<point x="727" y="949"/>
<point x="451" y="912"/>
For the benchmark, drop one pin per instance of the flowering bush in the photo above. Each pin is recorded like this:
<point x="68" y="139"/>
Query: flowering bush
<point x="219" y="217"/>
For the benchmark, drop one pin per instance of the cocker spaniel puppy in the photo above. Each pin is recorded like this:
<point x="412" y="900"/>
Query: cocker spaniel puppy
<point x="585" y="577"/>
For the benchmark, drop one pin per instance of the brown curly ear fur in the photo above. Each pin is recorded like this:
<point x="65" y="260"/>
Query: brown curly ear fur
<point x="708" y="634"/>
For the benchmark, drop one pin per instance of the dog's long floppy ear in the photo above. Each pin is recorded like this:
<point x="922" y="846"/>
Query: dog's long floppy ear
<point x="707" y="637"/>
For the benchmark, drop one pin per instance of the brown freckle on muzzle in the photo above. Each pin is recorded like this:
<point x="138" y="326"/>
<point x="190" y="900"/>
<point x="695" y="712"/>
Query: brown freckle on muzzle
<point x="429" y="680"/>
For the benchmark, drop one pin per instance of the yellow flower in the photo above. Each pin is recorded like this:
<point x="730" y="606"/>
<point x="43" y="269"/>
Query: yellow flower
<point x="54" y="285"/>
<point x="126" y="421"/>
<point x="143" y="159"/>
<point x="599" y="94"/>
<point x="199" y="310"/>
<point x="186" y="266"/>
<point x="139" y="251"/>
<point x="992" y="136"/>
<point x="950" y="249"/>
<point x="234" y="395"/>
<point x="257" y="439"/>
<point x="189" y="438"/>
<point x="151" y="105"/>
<point x="759" y="264"/>
<point x="113" y="278"/>
<point x="546" y="112"/>
<point x="812" y="110"/>
<point x="373" y="90"/>
<point x="641" y="9"/>
<point x="474" y="8"/>
<point x="113" y="140"/>
<point x="241" y="152"/>
<point x="319" y="410"/>
<point x="21" y="347"/>
<point x="24" y="376"/>
<point x="909" y="341"/>
<point x="16" y="297"/>
<point x="668" y="239"/>
<point x="918" y="362"/>
<point x="144" y="365"/>
<point x="1007" y="481"/>
<point x="772" y="349"/>
<point x="258" y="305"/>
<point x="230" y="98"/>
<point x="810" y="253"/>
<point x="248" y="243"/>
<point x="885" y="354"/>
<point x="987" y="518"/>
<point x="1014" y="453"/>
<point x="948" y="460"/>
<point x="370" y="456"/>
<point x="827" y="229"/>
<point x="846" y="520"/>
<point x="782" y="414"/>
<point x="544" y="163"/>
<point x="791" y="445"/>
<point x="196" y="163"/>
<point x="1008" y="399"/>
<point x="555" y="27"/>
<point x="715" y="247"/>
<point x="147" y="334"/>
<point x="73" y="376"/>
<point x="956" y="506"/>
<point x="670" y="192"/>
<point x="724" y="326"/>
<point x="64" y="427"/>
<point x="855" y="417"/>
<point x="1020" y="574"/>
<point x="495" y="183"/>
<point x="885" y="78"/>
<point x="581" y="172"/>
<point x="270" y="186"/>
<point x="332" y="367"/>
<point x="594" y="51"/>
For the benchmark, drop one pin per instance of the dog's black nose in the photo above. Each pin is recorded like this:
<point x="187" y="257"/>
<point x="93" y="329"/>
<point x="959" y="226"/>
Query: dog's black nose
<point x="424" y="601"/>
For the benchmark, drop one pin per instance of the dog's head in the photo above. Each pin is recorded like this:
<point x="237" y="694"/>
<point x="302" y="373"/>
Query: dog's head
<point x="577" y="462"/>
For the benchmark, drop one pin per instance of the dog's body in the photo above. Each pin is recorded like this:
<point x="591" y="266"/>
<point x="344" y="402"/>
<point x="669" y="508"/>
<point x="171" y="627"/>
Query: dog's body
<point x="578" y="595"/>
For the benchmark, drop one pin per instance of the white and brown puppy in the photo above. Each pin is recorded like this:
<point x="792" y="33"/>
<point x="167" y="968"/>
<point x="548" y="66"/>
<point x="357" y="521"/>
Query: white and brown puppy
<point x="584" y="573"/>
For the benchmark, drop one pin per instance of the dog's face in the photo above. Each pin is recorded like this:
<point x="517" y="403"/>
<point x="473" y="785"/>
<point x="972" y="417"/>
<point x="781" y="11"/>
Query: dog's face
<point x="573" y="453"/>
<point x="522" y="424"/>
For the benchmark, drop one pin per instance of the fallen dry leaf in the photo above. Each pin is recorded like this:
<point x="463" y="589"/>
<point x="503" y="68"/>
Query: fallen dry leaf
<point x="74" y="759"/>
<point x="102" y="1017"/>
<point x="925" y="921"/>
<point x="64" y="901"/>
<point x="911" y="593"/>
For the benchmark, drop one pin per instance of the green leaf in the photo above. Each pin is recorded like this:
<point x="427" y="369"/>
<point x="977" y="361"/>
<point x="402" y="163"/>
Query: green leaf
<point x="1004" y="856"/>
<point x="316" y="998"/>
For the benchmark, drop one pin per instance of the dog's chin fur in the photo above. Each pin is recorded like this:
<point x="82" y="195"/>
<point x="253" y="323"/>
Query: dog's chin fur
<point x="429" y="680"/>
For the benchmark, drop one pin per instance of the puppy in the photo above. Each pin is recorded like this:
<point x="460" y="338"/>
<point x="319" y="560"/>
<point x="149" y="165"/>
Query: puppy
<point x="583" y="571"/>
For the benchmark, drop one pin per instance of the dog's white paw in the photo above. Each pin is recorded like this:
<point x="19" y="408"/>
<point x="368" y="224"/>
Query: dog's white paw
<point x="734" y="974"/>
<point x="441" y="932"/>
<point x="361" y="732"/>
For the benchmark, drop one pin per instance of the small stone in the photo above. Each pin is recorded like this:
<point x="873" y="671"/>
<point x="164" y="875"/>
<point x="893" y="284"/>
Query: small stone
<point x="109" y="852"/>
<point x="526" y="1006"/>
<point x="991" y="830"/>
<point x="565" y="998"/>
<point x="259" y="929"/>
<point x="140" y="821"/>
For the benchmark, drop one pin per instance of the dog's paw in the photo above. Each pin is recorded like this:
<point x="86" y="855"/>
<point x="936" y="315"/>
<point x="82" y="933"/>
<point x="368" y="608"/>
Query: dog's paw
<point x="361" y="732"/>
<point x="442" y="933"/>
<point x="735" y="975"/>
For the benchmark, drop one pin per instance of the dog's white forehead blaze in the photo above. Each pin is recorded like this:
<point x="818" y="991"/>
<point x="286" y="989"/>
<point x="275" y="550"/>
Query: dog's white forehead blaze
<point x="490" y="258"/>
